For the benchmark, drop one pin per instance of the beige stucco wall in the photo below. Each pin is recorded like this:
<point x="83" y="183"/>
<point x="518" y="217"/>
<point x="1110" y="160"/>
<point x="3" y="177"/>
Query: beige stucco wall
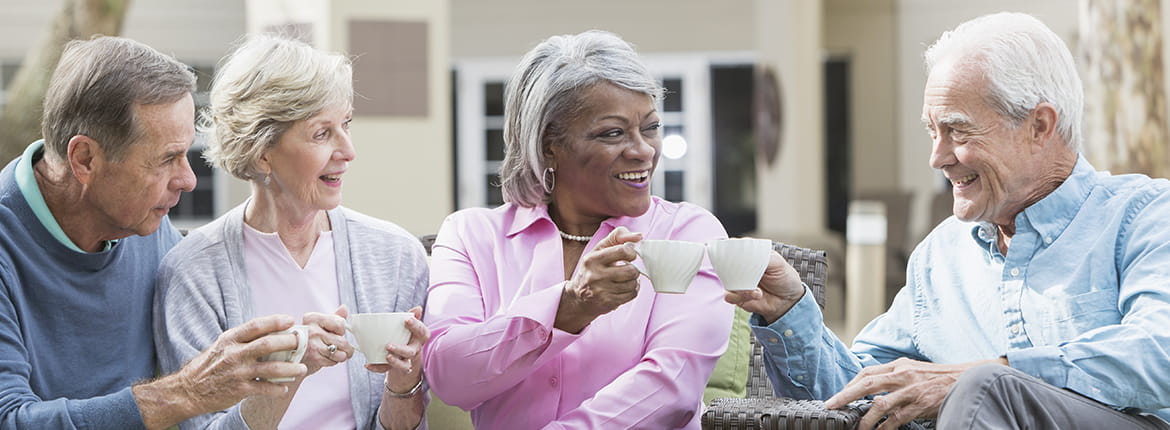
<point x="511" y="27"/>
<point x="403" y="170"/>
<point x="791" y="204"/>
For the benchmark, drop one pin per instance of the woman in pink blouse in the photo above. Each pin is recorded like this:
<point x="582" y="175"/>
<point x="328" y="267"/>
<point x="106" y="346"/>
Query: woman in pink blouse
<point x="538" y="318"/>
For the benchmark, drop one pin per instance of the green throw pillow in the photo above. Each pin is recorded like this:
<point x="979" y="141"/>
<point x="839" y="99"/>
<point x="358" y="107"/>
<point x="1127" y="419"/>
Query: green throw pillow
<point x="731" y="372"/>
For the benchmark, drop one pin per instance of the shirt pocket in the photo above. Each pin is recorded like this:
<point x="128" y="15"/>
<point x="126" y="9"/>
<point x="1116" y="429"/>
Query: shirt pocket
<point x="1067" y="318"/>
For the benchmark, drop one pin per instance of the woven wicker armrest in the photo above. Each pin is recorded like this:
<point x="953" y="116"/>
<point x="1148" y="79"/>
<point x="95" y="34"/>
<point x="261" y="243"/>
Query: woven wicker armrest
<point x="781" y="413"/>
<point x="776" y="413"/>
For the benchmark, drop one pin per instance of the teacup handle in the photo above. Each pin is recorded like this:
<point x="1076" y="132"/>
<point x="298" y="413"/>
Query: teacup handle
<point x="638" y="250"/>
<point x="349" y="328"/>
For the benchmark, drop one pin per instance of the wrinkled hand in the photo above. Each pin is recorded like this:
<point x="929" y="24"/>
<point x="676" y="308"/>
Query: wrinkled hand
<point x="403" y="366"/>
<point x="914" y="389"/>
<point x="324" y="330"/>
<point x="230" y="369"/>
<point x="780" y="289"/>
<point x="604" y="280"/>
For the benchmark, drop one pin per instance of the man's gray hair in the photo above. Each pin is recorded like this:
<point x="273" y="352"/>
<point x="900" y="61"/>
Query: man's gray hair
<point x="544" y="95"/>
<point x="96" y="87"/>
<point x="261" y="89"/>
<point x="1025" y="64"/>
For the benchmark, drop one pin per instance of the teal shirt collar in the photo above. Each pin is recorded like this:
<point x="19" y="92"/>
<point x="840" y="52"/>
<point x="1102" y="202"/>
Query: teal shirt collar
<point x="26" y="180"/>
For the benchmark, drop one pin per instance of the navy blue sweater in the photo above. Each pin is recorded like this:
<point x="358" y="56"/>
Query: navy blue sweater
<point x="75" y="328"/>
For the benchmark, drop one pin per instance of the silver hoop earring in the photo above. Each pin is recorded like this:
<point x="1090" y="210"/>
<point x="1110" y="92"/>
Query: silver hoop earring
<point x="549" y="179"/>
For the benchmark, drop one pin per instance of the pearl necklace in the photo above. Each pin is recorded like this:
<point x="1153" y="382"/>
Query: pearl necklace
<point x="575" y="238"/>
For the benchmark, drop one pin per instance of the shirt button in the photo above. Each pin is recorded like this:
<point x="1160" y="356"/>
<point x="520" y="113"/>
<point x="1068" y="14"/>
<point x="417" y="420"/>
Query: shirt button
<point x="1016" y="329"/>
<point x="773" y="340"/>
<point x="1048" y="239"/>
<point x="1015" y="271"/>
<point x="788" y="333"/>
<point x="799" y="377"/>
<point x="552" y="381"/>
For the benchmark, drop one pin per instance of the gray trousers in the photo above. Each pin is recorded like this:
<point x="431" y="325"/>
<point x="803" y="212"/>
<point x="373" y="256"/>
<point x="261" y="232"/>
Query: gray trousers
<point x="1000" y="397"/>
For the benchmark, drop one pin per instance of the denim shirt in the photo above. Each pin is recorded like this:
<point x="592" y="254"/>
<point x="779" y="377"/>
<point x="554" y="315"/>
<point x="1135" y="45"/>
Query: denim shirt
<point x="1081" y="300"/>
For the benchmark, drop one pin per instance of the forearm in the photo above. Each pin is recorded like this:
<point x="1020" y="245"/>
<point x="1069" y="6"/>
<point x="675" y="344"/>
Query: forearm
<point x="663" y="391"/>
<point x="1124" y="373"/>
<point x="117" y="410"/>
<point x="802" y="357"/>
<point x="164" y="402"/>
<point x="401" y="413"/>
<point x="469" y="363"/>
<point x="265" y="412"/>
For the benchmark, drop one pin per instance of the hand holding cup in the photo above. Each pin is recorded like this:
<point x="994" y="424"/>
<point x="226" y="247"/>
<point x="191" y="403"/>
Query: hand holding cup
<point x="779" y="289"/>
<point x="604" y="279"/>
<point x="739" y="262"/>
<point x="230" y="369"/>
<point x="289" y="355"/>
<point x="392" y="344"/>
<point x="328" y="345"/>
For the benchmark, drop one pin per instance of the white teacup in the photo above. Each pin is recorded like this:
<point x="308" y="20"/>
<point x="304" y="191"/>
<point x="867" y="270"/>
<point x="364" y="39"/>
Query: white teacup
<point x="373" y="331"/>
<point x="292" y="355"/>
<point x="739" y="262"/>
<point x="670" y="264"/>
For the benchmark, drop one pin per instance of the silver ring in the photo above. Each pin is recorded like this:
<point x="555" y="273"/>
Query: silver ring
<point x="331" y="348"/>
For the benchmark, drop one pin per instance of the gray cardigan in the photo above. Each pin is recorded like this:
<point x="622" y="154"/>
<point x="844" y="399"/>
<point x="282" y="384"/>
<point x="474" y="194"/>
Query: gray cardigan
<point x="202" y="291"/>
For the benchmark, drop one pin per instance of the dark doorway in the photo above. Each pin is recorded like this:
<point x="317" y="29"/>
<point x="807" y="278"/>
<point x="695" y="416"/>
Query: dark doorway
<point x="734" y="147"/>
<point x="837" y="162"/>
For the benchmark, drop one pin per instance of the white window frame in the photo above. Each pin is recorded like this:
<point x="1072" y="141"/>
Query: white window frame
<point x="693" y="69"/>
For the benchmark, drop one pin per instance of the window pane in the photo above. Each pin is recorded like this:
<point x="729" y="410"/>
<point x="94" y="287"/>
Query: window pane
<point x="493" y="98"/>
<point x="674" y="185"/>
<point x="200" y="203"/>
<point x="495" y="144"/>
<point x="495" y="195"/>
<point x="673" y="101"/>
<point x="734" y="150"/>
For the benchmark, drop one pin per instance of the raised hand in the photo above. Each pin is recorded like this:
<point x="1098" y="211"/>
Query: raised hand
<point x="780" y="288"/>
<point x="327" y="343"/>
<point x="231" y="370"/>
<point x="604" y="280"/>
<point x="403" y="367"/>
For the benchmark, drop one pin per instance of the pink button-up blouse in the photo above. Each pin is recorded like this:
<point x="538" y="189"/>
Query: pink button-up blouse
<point x="496" y="279"/>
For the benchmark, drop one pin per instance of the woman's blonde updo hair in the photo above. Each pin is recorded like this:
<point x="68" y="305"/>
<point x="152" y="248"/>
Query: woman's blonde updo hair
<point x="262" y="88"/>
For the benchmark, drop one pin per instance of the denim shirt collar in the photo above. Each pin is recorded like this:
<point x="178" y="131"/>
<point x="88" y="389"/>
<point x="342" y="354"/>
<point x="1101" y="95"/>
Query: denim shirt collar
<point x="1052" y="214"/>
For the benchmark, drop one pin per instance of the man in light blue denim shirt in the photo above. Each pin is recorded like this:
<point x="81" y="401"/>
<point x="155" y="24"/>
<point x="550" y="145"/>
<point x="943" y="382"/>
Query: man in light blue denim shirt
<point x="1043" y="303"/>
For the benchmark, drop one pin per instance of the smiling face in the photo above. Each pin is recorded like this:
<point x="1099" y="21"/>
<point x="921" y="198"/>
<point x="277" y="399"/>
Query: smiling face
<point x="307" y="162"/>
<point x="610" y="149"/>
<point x="132" y="195"/>
<point x="994" y="167"/>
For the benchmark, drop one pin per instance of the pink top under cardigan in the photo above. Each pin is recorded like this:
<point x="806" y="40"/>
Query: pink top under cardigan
<point x="496" y="279"/>
<point x="281" y="286"/>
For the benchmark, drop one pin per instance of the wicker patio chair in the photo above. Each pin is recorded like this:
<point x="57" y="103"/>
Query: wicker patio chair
<point x="761" y="409"/>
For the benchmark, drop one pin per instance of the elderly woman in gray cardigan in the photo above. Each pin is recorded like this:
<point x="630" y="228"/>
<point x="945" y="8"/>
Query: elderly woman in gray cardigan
<point x="279" y="118"/>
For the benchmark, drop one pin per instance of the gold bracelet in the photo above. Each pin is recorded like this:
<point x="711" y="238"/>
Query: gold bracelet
<point x="418" y="388"/>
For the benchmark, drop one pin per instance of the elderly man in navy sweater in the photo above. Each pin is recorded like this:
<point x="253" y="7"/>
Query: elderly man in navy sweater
<point x="83" y="226"/>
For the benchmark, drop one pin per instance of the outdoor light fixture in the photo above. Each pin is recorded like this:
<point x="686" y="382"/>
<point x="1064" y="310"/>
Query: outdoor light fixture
<point x="674" y="147"/>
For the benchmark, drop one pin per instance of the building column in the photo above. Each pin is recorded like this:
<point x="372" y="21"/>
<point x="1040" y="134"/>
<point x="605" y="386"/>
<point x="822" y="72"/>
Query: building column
<point x="791" y="187"/>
